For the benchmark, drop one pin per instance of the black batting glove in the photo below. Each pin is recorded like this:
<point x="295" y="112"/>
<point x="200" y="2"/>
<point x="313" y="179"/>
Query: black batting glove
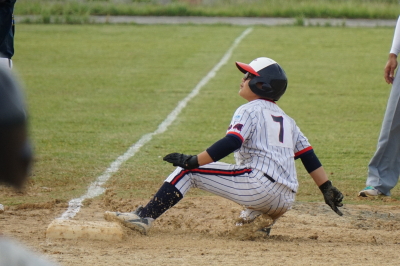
<point x="333" y="197"/>
<point x="182" y="160"/>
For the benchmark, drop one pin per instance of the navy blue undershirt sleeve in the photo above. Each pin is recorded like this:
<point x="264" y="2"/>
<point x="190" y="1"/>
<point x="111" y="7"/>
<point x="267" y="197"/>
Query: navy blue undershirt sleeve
<point x="224" y="147"/>
<point x="310" y="161"/>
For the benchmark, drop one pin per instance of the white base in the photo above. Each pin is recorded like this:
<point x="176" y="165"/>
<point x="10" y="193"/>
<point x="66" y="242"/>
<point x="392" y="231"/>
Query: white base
<point x="71" y="229"/>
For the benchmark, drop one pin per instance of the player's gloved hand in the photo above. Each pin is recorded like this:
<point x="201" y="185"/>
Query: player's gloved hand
<point x="182" y="160"/>
<point x="333" y="197"/>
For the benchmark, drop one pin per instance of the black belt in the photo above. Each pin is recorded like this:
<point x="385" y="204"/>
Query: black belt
<point x="270" y="178"/>
<point x="273" y="180"/>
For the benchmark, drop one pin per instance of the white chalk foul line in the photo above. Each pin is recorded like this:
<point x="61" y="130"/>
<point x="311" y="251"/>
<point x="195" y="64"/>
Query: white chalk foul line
<point x="95" y="189"/>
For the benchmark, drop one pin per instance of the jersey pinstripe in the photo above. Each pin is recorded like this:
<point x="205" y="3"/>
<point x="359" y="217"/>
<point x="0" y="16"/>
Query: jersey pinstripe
<point x="271" y="140"/>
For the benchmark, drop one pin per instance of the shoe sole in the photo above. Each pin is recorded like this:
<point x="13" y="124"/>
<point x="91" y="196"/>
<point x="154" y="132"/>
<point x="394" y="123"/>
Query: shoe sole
<point x="365" y="195"/>
<point x="135" y="226"/>
<point x="109" y="216"/>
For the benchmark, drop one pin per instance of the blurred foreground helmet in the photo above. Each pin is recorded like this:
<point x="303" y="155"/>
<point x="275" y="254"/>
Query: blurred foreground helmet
<point x="270" y="80"/>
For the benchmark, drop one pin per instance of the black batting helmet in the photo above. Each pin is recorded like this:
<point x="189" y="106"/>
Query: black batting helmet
<point x="270" y="80"/>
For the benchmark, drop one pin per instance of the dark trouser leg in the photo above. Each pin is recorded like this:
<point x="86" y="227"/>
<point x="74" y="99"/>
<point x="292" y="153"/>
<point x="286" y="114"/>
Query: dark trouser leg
<point x="166" y="197"/>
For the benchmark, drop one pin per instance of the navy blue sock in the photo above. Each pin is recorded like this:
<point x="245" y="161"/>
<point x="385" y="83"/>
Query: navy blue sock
<point x="165" y="198"/>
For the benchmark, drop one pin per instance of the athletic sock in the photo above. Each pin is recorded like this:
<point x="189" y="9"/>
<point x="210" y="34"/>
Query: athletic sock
<point x="166" y="197"/>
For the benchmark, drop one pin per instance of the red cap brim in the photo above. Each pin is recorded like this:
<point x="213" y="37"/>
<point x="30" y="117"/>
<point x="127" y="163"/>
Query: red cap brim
<point x="244" y="68"/>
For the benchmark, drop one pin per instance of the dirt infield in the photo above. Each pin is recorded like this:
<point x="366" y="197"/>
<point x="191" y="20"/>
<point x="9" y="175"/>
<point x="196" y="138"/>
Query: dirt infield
<point x="201" y="231"/>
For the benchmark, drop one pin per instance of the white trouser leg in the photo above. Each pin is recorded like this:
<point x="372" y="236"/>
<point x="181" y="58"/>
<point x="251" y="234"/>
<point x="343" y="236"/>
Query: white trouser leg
<point x="384" y="167"/>
<point x="6" y="62"/>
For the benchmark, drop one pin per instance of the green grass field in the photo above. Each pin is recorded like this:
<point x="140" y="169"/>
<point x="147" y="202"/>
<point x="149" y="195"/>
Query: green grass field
<point x="94" y="90"/>
<point x="70" y="9"/>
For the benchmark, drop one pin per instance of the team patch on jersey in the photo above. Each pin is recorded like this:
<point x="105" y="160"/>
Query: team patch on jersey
<point x="237" y="117"/>
<point x="238" y="127"/>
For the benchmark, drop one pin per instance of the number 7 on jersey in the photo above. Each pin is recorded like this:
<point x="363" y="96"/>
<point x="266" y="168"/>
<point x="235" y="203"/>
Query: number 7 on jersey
<point x="279" y="130"/>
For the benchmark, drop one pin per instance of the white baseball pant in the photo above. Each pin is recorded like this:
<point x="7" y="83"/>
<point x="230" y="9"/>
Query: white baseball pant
<point x="247" y="187"/>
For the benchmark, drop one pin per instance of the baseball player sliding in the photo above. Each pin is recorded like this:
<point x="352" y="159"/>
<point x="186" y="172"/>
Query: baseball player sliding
<point x="265" y="142"/>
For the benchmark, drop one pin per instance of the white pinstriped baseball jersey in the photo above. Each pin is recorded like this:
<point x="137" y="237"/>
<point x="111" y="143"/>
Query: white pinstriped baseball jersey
<point x="271" y="139"/>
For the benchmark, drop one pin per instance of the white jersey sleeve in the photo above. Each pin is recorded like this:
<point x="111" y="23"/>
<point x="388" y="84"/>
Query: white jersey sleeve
<point x="301" y="144"/>
<point x="396" y="39"/>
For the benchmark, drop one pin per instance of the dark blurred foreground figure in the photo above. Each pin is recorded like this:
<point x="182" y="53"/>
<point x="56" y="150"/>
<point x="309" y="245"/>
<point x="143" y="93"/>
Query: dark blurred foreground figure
<point x="15" y="160"/>
<point x="15" y="152"/>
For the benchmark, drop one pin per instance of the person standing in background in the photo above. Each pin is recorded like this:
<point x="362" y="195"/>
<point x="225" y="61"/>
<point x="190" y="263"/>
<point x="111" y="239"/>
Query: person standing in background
<point x="384" y="167"/>
<point x="7" y="32"/>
